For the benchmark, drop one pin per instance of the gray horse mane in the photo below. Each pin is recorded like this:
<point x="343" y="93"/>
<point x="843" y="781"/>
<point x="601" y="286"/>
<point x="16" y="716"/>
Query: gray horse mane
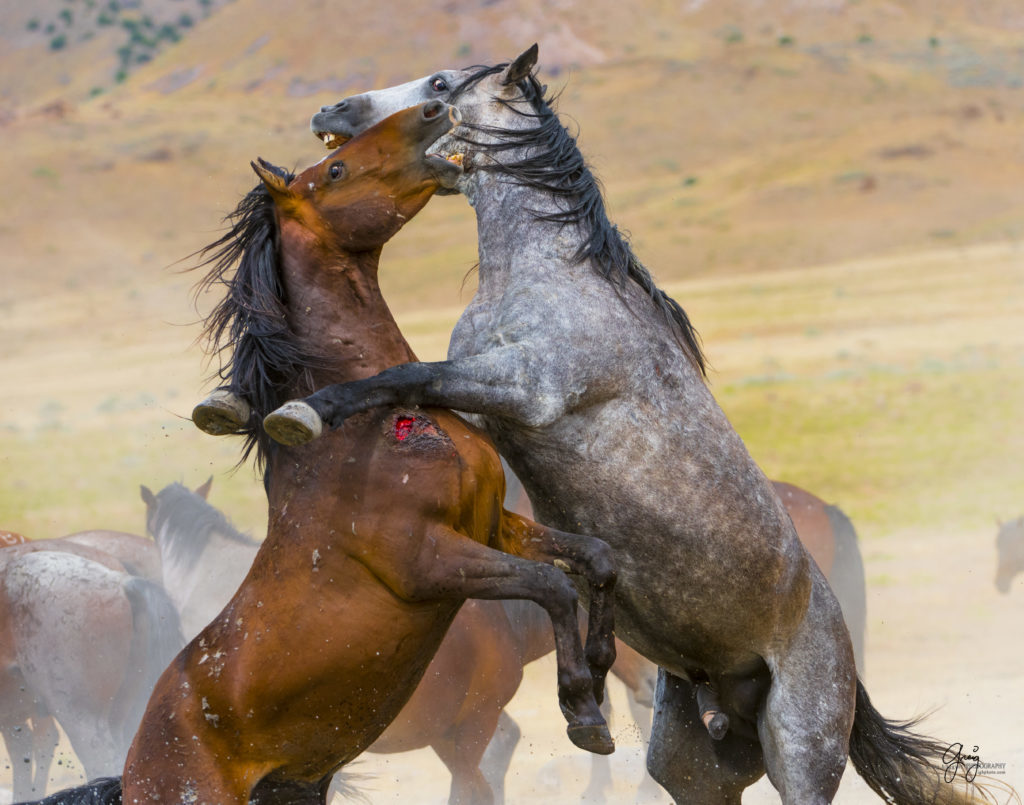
<point x="554" y="164"/>
<point x="183" y="523"/>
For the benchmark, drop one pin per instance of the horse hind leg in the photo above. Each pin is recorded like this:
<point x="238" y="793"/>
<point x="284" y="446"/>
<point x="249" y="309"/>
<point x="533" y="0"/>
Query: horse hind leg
<point x="807" y="716"/>
<point x="469" y="786"/>
<point x="684" y="759"/>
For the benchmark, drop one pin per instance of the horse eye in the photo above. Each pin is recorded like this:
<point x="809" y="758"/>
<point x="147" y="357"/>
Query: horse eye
<point x="439" y="85"/>
<point x="337" y="170"/>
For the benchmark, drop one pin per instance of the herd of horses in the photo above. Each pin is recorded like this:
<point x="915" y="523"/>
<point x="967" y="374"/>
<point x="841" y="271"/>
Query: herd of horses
<point x="400" y="578"/>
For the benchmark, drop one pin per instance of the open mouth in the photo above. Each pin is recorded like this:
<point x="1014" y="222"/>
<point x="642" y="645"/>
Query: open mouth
<point x="331" y="140"/>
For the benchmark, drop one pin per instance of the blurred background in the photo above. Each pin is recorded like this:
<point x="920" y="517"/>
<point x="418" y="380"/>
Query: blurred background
<point x="832" y="189"/>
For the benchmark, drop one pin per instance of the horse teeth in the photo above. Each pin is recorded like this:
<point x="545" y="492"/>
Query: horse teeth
<point x="455" y="159"/>
<point x="328" y="139"/>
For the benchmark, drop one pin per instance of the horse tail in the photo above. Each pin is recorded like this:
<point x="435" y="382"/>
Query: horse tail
<point x="903" y="767"/>
<point x="847" y="580"/>
<point x="156" y="639"/>
<point x="101" y="791"/>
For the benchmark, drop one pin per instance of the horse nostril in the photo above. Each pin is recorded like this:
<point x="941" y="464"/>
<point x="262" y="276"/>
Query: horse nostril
<point x="340" y="106"/>
<point x="432" y="109"/>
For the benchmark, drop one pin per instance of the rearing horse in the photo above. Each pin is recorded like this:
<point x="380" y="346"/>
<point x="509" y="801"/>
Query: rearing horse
<point x="590" y="380"/>
<point x="376" y="536"/>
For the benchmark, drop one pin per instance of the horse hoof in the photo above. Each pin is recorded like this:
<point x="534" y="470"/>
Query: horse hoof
<point x="221" y="413"/>
<point x="294" y="423"/>
<point x="594" y="738"/>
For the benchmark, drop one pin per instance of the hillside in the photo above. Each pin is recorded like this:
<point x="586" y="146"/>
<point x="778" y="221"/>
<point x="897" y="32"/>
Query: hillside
<point x="729" y="140"/>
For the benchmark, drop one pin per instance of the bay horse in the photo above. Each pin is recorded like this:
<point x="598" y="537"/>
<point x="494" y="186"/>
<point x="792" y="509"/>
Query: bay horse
<point x="591" y="381"/>
<point x="1010" y="553"/>
<point x="376" y="537"/>
<point x="458" y="704"/>
<point x="81" y="642"/>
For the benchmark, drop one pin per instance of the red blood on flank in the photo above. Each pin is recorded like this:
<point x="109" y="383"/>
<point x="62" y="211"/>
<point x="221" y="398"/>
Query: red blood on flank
<point x="403" y="427"/>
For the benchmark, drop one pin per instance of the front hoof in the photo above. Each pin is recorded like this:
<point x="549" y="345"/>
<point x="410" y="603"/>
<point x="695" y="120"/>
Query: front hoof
<point x="294" y="423"/>
<point x="222" y="413"/>
<point x="594" y="738"/>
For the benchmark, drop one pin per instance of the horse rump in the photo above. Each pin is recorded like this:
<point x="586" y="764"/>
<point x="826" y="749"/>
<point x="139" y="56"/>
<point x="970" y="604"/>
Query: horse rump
<point x="101" y="791"/>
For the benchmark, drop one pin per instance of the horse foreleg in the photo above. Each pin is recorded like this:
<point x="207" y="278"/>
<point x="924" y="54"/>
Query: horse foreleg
<point x="18" y="741"/>
<point x="587" y="557"/>
<point x="508" y="381"/>
<point x="600" y="768"/>
<point x="457" y="568"/>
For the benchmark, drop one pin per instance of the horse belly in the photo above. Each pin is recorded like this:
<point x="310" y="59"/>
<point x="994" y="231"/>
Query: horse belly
<point x="709" y="567"/>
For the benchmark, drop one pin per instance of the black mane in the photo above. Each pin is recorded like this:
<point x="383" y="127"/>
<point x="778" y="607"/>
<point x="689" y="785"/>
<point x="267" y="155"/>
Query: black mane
<point x="248" y="332"/>
<point x="555" y="165"/>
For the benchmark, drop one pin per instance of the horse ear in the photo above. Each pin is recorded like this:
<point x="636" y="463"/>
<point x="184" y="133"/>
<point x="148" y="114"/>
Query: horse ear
<point x="204" y="490"/>
<point x="522" y="66"/>
<point x="147" y="497"/>
<point x="273" y="177"/>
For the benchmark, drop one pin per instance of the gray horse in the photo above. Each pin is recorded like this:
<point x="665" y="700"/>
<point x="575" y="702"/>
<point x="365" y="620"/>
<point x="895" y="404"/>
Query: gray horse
<point x="590" y="380"/>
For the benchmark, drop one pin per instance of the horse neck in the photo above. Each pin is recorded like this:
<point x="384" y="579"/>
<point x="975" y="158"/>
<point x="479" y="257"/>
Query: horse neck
<point x="336" y="307"/>
<point x="509" y="231"/>
<point x="186" y="550"/>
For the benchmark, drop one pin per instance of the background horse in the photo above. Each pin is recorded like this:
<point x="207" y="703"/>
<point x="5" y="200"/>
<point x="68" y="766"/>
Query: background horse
<point x="591" y="381"/>
<point x="8" y="538"/>
<point x="80" y="641"/>
<point x="830" y="538"/>
<point x="1010" y="553"/>
<point x="203" y="557"/>
<point x="138" y="555"/>
<point x="374" y="541"/>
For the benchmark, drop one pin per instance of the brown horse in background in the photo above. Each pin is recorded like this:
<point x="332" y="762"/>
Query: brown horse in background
<point x="830" y="538"/>
<point x="8" y="538"/>
<point x="375" y="538"/>
<point x="138" y="555"/>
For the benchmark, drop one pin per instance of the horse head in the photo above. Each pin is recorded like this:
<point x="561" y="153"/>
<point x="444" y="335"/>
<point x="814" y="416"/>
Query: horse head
<point x="479" y="93"/>
<point x="360" y="195"/>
